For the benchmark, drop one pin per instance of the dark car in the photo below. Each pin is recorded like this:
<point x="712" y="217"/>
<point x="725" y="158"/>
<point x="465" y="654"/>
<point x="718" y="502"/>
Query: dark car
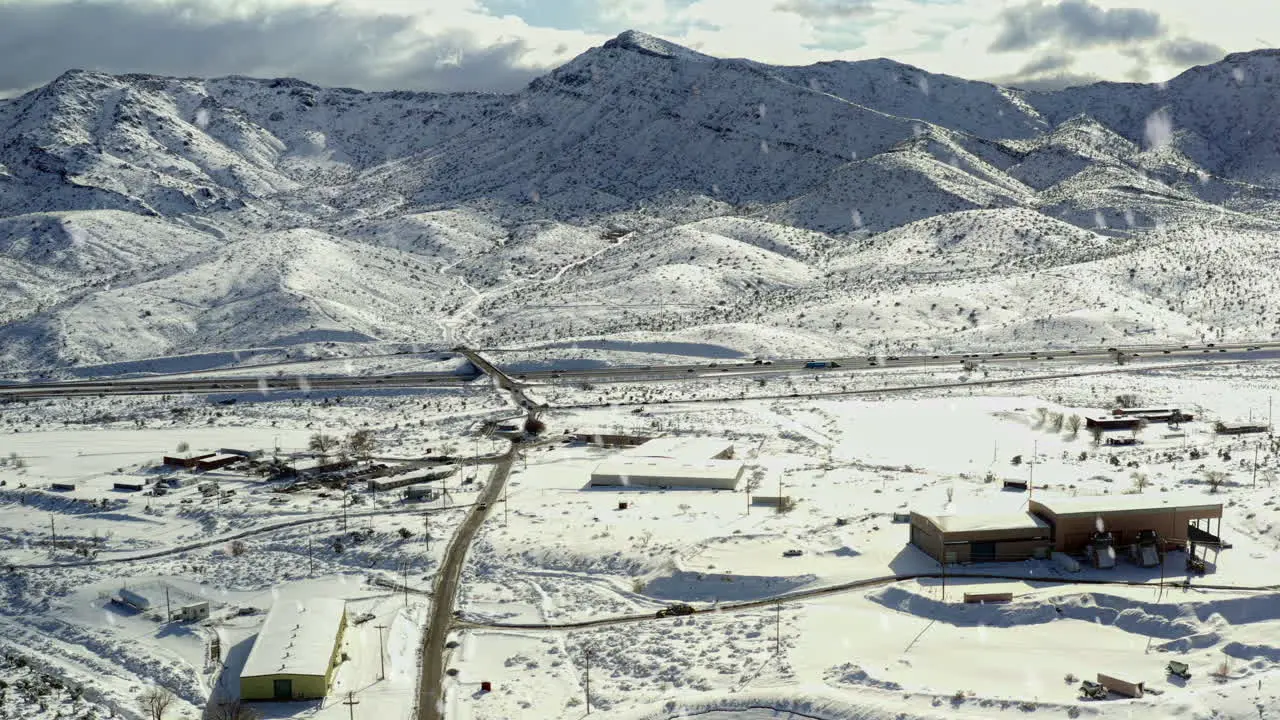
<point x="675" y="610"/>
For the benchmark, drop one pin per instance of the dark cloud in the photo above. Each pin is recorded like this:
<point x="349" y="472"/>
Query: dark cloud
<point x="1051" y="71"/>
<point x="1189" y="51"/>
<point x="1052" y="81"/>
<point x="826" y="9"/>
<point x="1073" y="23"/>
<point x="324" y="45"/>
<point x="1046" y="64"/>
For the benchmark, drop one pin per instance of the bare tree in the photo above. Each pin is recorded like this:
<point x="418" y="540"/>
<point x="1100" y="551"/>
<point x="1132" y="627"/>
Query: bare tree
<point x="233" y="710"/>
<point x="155" y="702"/>
<point x="1042" y="415"/>
<point x="1073" y="426"/>
<point x="1096" y="433"/>
<point x="1215" y="478"/>
<point x="322" y="444"/>
<point x="361" y="444"/>
<point x="1140" y="481"/>
<point x="1139" y="427"/>
<point x="184" y="448"/>
<point x="1055" y="421"/>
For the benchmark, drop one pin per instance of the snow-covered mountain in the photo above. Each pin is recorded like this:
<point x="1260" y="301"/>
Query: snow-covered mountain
<point x="641" y="188"/>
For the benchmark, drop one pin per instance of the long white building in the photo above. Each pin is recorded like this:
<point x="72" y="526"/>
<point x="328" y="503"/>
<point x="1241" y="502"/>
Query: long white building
<point x="674" y="462"/>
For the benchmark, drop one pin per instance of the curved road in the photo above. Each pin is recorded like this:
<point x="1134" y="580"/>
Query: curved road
<point x="847" y="587"/>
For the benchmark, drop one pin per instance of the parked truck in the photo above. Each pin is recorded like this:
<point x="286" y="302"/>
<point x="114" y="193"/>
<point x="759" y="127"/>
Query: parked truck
<point x="820" y="365"/>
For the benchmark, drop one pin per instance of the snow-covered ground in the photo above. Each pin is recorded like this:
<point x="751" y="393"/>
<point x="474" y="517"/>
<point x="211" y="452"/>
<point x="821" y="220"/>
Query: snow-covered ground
<point x="555" y="551"/>
<point x="561" y="552"/>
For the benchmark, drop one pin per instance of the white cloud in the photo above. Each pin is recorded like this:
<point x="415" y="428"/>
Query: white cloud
<point x="455" y="44"/>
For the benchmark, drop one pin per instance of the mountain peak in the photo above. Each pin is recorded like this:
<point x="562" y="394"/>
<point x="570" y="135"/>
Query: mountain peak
<point x="647" y="44"/>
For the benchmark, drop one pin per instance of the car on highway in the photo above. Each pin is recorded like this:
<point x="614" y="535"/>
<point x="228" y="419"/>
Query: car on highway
<point x="482" y="506"/>
<point x="792" y="553"/>
<point x="675" y="610"/>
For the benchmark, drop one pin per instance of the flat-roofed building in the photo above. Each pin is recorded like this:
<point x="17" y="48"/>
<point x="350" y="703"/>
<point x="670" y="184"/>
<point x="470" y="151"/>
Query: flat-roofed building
<point x="296" y="651"/>
<point x="962" y="538"/>
<point x="1074" y="520"/>
<point x="668" y="473"/>
<point x="684" y="448"/>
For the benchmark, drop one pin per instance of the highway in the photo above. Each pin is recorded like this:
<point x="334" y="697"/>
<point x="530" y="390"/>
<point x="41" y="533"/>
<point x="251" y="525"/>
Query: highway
<point x="513" y="380"/>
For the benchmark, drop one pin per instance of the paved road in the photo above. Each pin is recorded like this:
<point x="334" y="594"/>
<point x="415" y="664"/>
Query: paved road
<point x="514" y="382"/>
<point x="445" y="591"/>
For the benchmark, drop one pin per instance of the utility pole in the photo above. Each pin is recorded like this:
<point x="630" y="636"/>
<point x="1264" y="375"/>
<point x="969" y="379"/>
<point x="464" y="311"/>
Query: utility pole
<point x="382" y="661"/>
<point x="1255" y="463"/>
<point x="351" y="702"/>
<point x="168" y="608"/>
<point x="344" y="506"/>
<point x="1031" y="466"/>
<point x="53" y="533"/>
<point x="426" y="529"/>
<point x="406" y="582"/>
<point x="587" y="655"/>
<point x="777" y="631"/>
<point x="311" y="561"/>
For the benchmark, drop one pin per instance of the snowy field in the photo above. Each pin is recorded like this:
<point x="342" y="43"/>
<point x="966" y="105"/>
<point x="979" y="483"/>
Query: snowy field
<point x="562" y="552"/>
<point x="555" y="551"/>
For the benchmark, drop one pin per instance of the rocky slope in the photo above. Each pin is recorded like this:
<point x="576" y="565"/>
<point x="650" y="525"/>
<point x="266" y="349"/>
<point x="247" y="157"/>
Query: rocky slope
<point x="640" y="188"/>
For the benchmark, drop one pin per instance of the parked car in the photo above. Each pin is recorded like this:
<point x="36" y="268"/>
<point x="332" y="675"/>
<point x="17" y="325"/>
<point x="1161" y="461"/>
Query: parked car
<point x="792" y="553"/>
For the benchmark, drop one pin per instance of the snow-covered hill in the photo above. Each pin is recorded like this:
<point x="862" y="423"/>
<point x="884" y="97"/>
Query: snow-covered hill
<point x="642" y="189"/>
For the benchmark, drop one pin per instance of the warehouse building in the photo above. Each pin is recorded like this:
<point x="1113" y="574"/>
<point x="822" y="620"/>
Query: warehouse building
<point x="1067" y="525"/>
<point x="684" y="448"/>
<point x="296" y="651"/>
<point x="673" y="462"/>
<point x="1075" y="520"/>
<point x="981" y="538"/>
<point x="665" y="473"/>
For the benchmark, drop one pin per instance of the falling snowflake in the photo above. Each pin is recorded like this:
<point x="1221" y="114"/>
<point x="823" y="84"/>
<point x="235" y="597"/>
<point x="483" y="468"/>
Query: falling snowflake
<point x="202" y="118"/>
<point x="923" y="84"/>
<point x="1159" y="129"/>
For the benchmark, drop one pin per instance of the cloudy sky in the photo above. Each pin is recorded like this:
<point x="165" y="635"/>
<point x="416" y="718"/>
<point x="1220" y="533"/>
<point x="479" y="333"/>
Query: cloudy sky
<point x="499" y="45"/>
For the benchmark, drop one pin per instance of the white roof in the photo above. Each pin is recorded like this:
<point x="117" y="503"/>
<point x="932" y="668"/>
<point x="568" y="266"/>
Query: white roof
<point x="1141" y="502"/>
<point x="986" y="523"/>
<point x="296" y="639"/>
<point x="662" y="467"/>
<point x="683" y="448"/>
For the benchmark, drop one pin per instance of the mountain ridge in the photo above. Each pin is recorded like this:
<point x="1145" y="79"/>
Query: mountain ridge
<point x="651" y="188"/>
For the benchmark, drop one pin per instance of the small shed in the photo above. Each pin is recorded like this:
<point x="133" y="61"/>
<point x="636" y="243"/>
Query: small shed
<point x="194" y="612"/>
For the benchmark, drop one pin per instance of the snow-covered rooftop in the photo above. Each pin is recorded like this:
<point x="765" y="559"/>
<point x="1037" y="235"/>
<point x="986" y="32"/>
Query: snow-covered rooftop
<point x="688" y="449"/>
<point x="662" y="467"/>
<point x="980" y="523"/>
<point x="1099" y="504"/>
<point x="297" y="638"/>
